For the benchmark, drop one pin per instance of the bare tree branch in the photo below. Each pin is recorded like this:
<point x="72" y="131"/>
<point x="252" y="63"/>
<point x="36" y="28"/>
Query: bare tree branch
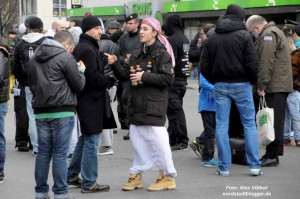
<point x="8" y="15"/>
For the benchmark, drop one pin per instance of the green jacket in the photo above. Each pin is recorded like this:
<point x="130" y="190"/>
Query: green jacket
<point x="275" y="71"/>
<point x="4" y="70"/>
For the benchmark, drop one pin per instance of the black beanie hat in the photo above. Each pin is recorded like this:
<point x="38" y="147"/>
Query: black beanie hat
<point x="36" y="23"/>
<point x="89" y="22"/>
<point x="236" y="10"/>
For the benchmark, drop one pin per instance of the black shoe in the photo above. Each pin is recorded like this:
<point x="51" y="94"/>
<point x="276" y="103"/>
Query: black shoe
<point x="75" y="181"/>
<point x="95" y="188"/>
<point x="115" y="131"/>
<point x="266" y="162"/>
<point x="179" y="147"/>
<point x="22" y="147"/>
<point x="2" y="177"/>
<point x="126" y="137"/>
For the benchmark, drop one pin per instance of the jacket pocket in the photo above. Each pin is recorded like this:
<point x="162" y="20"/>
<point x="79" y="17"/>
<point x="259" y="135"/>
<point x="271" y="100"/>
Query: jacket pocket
<point x="155" y="107"/>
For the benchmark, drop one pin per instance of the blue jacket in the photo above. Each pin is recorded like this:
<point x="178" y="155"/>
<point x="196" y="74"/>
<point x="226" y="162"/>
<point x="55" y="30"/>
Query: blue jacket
<point x="206" y="96"/>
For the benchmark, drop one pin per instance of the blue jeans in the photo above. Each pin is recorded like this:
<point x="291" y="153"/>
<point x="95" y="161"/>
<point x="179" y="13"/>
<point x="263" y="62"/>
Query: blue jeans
<point x="292" y="115"/>
<point x="85" y="159"/>
<point x="241" y="94"/>
<point x="3" y="111"/>
<point x="53" y="138"/>
<point x="32" y="124"/>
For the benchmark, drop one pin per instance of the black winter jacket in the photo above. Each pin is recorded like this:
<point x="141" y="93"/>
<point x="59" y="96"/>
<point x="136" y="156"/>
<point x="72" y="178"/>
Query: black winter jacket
<point x="229" y="55"/>
<point x="4" y="71"/>
<point x="129" y="42"/>
<point x="148" y="102"/>
<point x="54" y="79"/>
<point x="94" y="111"/>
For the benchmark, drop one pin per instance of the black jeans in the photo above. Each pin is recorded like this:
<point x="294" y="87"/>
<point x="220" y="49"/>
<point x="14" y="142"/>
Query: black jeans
<point x="177" y="124"/>
<point x="277" y="101"/>
<point x="22" y="136"/>
<point x="209" y="124"/>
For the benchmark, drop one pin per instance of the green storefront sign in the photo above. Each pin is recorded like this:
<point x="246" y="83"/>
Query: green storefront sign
<point x="203" y="5"/>
<point x="97" y="11"/>
<point x="142" y="8"/>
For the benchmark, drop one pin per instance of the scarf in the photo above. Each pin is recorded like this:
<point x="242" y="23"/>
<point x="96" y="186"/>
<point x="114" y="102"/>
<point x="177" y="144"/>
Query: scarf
<point x="156" y="26"/>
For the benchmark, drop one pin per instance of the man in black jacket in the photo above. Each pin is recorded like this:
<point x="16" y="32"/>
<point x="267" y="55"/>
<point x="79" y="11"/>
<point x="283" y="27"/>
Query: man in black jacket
<point x="229" y="60"/>
<point x="4" y="97"/>
<point x="180" y="45"/>
<point x="22" y="53"/>
<point x="54" y="80"/>
<point x="93" y="107"/>
<point x="128" y="42"/>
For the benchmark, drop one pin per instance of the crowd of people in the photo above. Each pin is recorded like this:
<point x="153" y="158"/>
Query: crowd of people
<point x="64" y="81"/>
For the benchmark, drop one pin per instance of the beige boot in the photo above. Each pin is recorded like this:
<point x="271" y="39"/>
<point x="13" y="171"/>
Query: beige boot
<point x="163" y="183"/>
<point x="135" y="182"/>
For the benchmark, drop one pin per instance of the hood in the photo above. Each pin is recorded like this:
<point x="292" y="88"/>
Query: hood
<point x="236" y="10"/>
<point x="32" y="37"/>
<point x="104" y="37"/>
<point x="173" y="24"/>
<point x="48" y="50"/>
<point x="229" y="23"/>
<point x="50" y="33"/>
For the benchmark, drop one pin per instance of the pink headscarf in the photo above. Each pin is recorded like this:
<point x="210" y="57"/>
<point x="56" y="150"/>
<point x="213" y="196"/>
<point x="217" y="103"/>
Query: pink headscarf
<point x="156" y="26"/>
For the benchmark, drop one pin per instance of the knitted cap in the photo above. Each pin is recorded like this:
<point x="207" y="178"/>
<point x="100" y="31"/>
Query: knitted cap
<point x="89" y="22"/>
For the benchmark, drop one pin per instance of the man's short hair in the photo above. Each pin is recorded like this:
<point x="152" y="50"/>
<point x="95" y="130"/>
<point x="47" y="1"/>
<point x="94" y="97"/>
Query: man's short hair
<point x="63" y="36"/>
<point x="207" y="27"/>
<point x="289" y="36"/>
<point x="255" y="20"/>
<point x="77" y="22"/>
<point x="296" y="30"/>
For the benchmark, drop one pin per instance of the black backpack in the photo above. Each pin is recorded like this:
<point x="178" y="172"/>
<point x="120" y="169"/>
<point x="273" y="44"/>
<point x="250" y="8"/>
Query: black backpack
<point x="27" y="50"/>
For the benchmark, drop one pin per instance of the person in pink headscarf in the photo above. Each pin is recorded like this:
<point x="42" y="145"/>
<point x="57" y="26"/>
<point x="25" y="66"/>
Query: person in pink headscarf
<point x="147" y="109"/>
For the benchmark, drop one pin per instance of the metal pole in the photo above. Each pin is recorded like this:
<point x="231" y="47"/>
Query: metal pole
<point x="20" y="12"/>
<point x="59" y="9"/>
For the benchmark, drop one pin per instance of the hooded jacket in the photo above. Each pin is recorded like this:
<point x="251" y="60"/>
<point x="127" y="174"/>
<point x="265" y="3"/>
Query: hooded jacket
<point x="4" y="71"/>
<point x="229" y="55"/>
<point x="20" y="62"/>
<point x="180" y="45"/>
<point x="54" y="79"/>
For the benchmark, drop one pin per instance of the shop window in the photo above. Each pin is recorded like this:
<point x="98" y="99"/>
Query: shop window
<point x="56" y="8"/>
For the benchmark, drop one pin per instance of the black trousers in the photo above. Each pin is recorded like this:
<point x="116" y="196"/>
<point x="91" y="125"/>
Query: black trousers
<point x="277" y="101"/>
<point x="122" y="108"/>
<point x="177" y="123"/>
<point x="209" y="124"/>
<point x="22" y="136"/>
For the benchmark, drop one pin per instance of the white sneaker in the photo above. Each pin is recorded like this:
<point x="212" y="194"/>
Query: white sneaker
<point x="105" y="150"/>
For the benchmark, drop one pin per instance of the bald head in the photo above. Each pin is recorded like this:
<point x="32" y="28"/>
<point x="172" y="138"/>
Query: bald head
<point x="58" y="25"/>
<point x="255" y="24"/>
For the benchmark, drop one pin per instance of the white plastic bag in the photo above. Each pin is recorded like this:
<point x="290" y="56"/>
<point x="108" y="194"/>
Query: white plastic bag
<point x="265" y="123"/>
